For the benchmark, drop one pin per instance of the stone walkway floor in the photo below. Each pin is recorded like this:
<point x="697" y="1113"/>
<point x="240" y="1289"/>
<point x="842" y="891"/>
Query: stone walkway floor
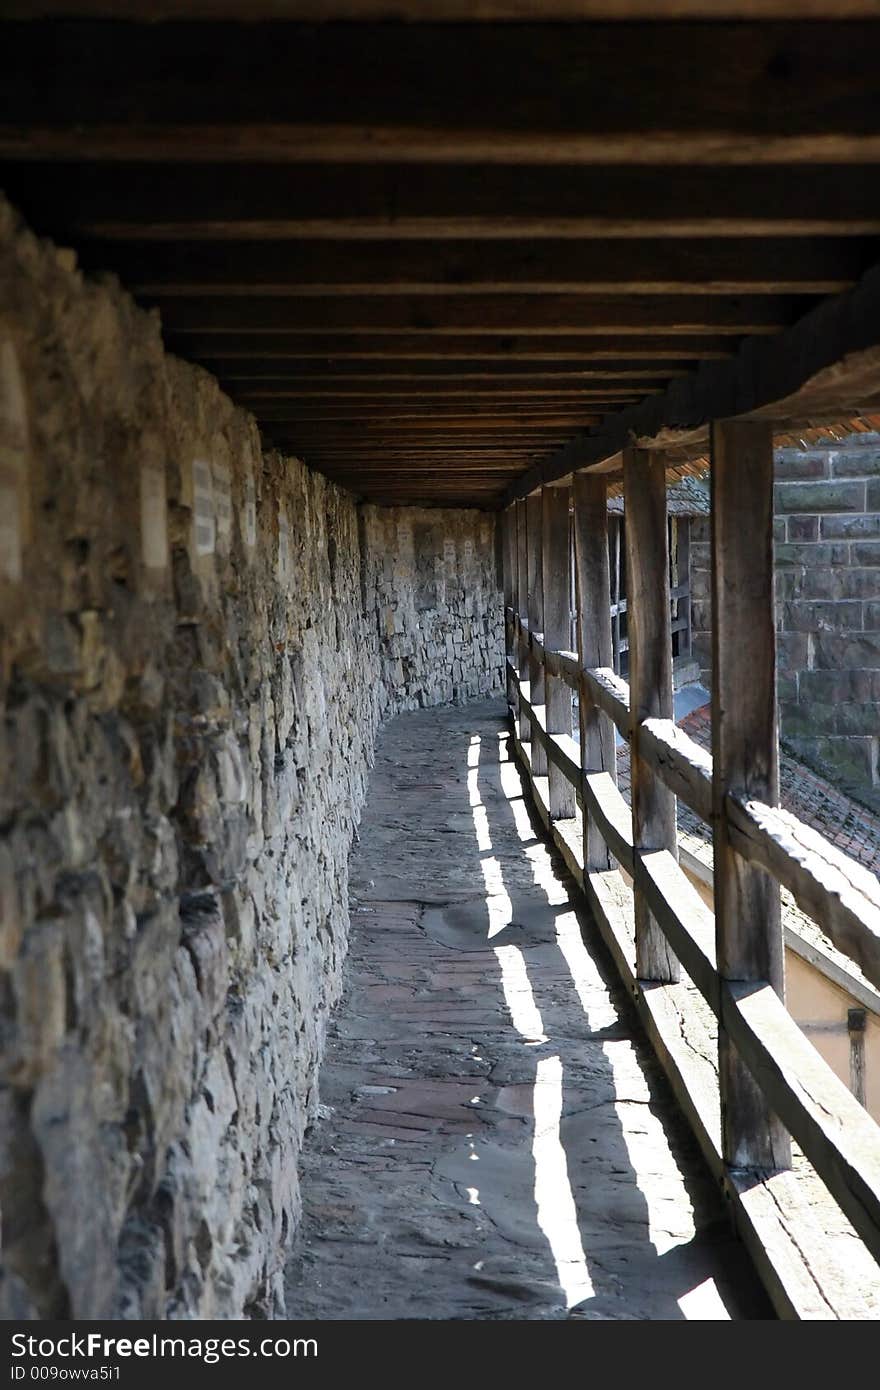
<point x="496" y="1140"/>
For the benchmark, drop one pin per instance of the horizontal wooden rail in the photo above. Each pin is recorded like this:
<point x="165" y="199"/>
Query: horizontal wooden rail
<point x="839" y="894"/>
<point x="684" y="766"/>
<point x="835" y="1132"/>
<point x="611" y="814"/>
<point x="842" y="896"/>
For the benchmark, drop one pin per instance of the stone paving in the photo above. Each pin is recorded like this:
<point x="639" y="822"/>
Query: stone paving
<point x="495" y="1140"/>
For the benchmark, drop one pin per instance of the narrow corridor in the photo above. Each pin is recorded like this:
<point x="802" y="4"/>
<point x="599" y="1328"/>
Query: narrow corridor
<point x="495" y="1140"/>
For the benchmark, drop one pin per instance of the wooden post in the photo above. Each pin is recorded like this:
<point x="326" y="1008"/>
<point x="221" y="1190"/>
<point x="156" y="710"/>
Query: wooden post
<point x="522" y="608"/>
<point x="557" y="633"/>
<point x="856" y="1021"/>
<point x="508" y="556"/>
<point x="593" y="624"/>
<point x="650" y="680"/>
<point x="534" y="530"/>
<point x="615" y="598"/>
<point x="745" y="758"/>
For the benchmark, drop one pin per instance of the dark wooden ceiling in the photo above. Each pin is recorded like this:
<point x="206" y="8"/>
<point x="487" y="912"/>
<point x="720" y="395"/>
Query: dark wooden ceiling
<point x="429" y="256"/>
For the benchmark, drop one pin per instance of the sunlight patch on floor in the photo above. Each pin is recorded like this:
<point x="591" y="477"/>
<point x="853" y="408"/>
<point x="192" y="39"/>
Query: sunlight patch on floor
<point x="557" y="1213"/>
<point x="656" y="1172"/>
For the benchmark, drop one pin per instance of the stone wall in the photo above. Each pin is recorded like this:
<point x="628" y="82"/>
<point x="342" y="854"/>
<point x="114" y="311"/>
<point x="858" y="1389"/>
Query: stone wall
<point x="827" y="558"/>
<point x="431" y="584"/>
<point x="828" y="607"/>
<point x="198" y="640"/>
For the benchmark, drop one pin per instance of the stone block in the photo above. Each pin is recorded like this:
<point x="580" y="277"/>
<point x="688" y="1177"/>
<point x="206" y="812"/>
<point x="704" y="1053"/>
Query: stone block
<point x="796" y="463"/>
<point x="854" y="526"/>
<point x="841" y="616"/>
<point x="844" y="496"/>
<point x="850" y="651"/>
<point x="791" y="651"/>
<point x="803" y="528"/>
<point x="866" y="553"/>
<point x="856" y="463"/>
<point x="857" y="719"/>
<point x="810" y="553"/>
<point x="807" y="718"/>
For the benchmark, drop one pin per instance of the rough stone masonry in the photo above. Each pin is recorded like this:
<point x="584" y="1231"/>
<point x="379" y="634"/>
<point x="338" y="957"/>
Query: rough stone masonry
<point x="827" y="565"/>
<point x="198" y="641"/>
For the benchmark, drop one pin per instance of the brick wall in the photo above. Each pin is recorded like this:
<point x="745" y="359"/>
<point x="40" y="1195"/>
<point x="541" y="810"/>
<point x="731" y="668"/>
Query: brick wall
<point x="827" y="535"/>
<point x="828" y="606"/>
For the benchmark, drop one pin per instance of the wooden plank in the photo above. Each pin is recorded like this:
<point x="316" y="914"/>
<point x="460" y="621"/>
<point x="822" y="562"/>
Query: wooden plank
<point x="534" y="523"/>
<point x="508" y="558"/>
<point x="267" y="201"/>
<point x="745" y="759"/>
<point x="611" y="693"/>
<point x="425" y="11"/>
<point x="681" y="764"/>
<point x="522" y="602"/>
<point x="650" y="681"/>
<point x="481" y="313"/>
<point x="835" y="1132"/>
<point x="556" y="586"/>
<point x="592" y="592"/>
<point x="440" y="92"/>
<point x="825" y="367"/>
<point x="682" y="916"/>
<point x="842" y="896"/>
<point x="229" y="347"/>
<point x="503" y="384"/>
<point x="610" y="815"/>
<point x="636" y="266"/>
<point x="774" y="1212"/>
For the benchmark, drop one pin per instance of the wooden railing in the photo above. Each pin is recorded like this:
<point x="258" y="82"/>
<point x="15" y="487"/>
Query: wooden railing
<point x="771" y="1081"/>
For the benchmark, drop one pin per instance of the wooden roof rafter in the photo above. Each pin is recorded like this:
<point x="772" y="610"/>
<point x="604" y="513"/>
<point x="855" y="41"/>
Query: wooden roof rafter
<point x="386" y="234"/>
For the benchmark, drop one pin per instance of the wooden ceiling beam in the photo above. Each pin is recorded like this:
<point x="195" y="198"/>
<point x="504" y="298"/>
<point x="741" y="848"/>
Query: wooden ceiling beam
<point x="521" y="314"/>
<point x="271" y="202"/>
<point x="825" y="367"/>
<point x="217" y="348"/>
<point x="271" y="374"/>
<point x="530" y="93"/>
<point x="641" y="266"/>
<point x="409" y="418"/>
<point x="434" y="11"/>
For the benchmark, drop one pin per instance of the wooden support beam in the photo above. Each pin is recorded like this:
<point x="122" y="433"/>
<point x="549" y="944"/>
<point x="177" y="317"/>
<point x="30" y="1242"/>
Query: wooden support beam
<point x="441" y="347"/>
<point x="592" y="591"/>
<point x="745" y="759"/>
<point x="598" y="314"/>
<point x="269" y="374"/>
<point x="557" y="628"/>
<point x="428" y="11"/>
<point x="650" y="682"/>
<point x="522" y="603"/>
<point x="509" y="558"/>
<point x="826" y="367"/>
<point x="266" y="201"/>
<point x="537" y="685"/>
<point x="528" y="92"/>
<point x="633" y="266"/>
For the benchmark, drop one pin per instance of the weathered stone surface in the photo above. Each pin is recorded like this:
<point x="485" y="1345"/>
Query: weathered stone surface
<point x="796" y="463"/>
<point x="194" y="660"/>
<point x="846" y="496"/>
<point x="855" y="526"/>
<point x="498" y="1140"/>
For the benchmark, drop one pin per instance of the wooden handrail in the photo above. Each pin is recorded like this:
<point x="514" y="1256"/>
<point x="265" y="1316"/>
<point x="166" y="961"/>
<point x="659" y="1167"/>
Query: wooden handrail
<point x="838" y="1136"/>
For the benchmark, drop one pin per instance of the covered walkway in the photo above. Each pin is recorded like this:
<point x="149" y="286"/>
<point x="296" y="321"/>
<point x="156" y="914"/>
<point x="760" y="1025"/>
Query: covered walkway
<point x="496" y="1139"/>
